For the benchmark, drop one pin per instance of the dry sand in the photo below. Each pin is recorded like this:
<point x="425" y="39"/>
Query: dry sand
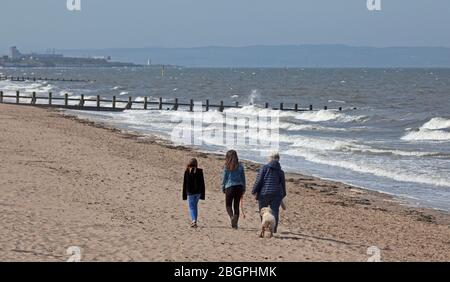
<point x="118" y="196"/>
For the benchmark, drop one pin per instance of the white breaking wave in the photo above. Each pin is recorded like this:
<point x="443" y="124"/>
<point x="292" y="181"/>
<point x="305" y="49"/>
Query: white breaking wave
<point x="437" y="123"/>
<point x="310" y="127"/>
<point x="427" y="135"/>
<point x="329" y="115"/>
<point x="321" y="144"/>
<point x="367" y="168"/>
<point x="12" y="86"/>
<point x="434" y="130"/>
<point x="315" y="116"/>
<point x="255" y="111"/>
<point x="337" y="101"/>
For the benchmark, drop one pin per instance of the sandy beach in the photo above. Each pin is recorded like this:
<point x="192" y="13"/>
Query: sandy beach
<point x="117" y="196"/>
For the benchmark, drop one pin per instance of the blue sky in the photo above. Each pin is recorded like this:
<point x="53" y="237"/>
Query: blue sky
<point x="38" y="25"/>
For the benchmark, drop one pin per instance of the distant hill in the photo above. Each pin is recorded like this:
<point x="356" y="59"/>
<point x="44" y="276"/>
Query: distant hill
<point x="281" y="56"/>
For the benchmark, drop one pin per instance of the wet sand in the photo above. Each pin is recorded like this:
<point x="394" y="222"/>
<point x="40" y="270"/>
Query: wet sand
<point x="66" y="182"/>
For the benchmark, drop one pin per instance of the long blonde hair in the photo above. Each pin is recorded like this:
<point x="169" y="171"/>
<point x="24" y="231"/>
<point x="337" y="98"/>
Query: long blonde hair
<point x="231" y="160"/>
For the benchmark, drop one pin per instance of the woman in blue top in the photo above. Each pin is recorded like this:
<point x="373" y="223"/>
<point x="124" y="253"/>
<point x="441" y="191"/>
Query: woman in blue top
<point x="233" y="185"/>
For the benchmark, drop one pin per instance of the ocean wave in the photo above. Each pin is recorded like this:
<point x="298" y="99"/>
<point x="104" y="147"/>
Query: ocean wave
<point x="63" y="93"/>
<point x="337" y="101"/>
<point x="315" y="116"/>
<point x="311" y="127"/>
<point x="433" y="130"/>
<point x="215" y="120"/>
<point x="256" y="111"/>
<point x="366" y="168"/>
<point x="321" y="144"/>
<point x="437" y="123"/>
<point x="26" y="87"/>
<point x="246" y="116"/>
<point x="329" y="115"/>
<point x="427" y="135"/>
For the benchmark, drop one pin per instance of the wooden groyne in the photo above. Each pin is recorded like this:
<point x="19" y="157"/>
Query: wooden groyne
<point x="67" y="102"/>
<point x="27" y="78"/>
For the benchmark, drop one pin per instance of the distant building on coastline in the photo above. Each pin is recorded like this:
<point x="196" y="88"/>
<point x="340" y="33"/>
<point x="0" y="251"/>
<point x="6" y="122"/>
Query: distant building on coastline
<point x="14" y="53"/>
<point x="51" y="59"/>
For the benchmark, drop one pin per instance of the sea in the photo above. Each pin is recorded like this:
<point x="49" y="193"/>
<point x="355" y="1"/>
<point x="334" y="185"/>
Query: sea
<point x="392" y="135"/>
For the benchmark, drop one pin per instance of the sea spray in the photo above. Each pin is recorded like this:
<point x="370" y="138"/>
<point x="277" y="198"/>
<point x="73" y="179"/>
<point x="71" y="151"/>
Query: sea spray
<point x="253" y="97"/>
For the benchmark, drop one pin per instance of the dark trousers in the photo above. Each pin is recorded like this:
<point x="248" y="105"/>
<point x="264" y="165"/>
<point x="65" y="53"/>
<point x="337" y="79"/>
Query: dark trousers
<point x="233" y="200"/>
<point x="274" y="202"/>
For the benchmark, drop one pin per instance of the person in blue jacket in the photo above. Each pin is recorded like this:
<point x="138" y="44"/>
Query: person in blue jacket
<point x="270" y="187"/>
<point x="233" y="186"/>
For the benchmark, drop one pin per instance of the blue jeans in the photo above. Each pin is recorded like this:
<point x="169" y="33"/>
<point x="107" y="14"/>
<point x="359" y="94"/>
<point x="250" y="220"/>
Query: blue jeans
<point x="274" y="202"/>
<point x="193" y="206"/>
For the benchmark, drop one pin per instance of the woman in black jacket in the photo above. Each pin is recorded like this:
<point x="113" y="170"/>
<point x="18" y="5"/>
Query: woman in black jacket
<point x="193" y="189"/>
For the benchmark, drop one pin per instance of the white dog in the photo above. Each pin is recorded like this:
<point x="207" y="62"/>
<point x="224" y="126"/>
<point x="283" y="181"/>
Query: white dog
<point x="268" y="222"/>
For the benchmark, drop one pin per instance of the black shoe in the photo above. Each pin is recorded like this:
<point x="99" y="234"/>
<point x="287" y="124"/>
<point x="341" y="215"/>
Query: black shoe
<point x="234" y="222"/>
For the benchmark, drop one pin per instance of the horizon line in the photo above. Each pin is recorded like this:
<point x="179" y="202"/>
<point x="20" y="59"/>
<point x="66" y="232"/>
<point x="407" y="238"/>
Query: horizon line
<point x="258" y="45"/>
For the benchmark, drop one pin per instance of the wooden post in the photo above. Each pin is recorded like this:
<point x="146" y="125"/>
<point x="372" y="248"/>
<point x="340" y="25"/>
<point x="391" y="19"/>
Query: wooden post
<point x="81" y="100"/>
<point x="130" y="103"/>
<point x="17" y="97"/>
<point x="207" y="105"/>
<point x="266" y="105"/>
<point x="98" y="101"/>
<point x="50" y="98"/>
<point x="33" y="98"/>
<point x="310" y="107"/>
<point x="114" y="103"/>
<point x="191" y="105"/>
<point x="296" y="107"/>
<point x="145" y="103"/>
<point x="66" y="99"/>
<point x="221" y="106"/>
<point x="1" y="96"/>
<point x="281" y="106"/>
<point x="175" y="107"/>
<point x="160" y="105"/>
